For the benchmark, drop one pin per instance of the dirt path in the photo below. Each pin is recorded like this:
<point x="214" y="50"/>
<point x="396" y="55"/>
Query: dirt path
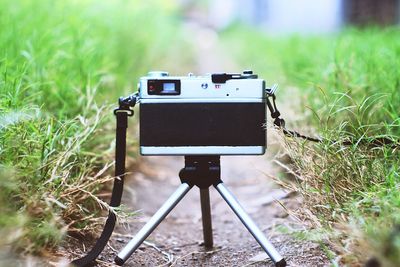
<point x="178" y="239"/>
<point x="180" y="235"/>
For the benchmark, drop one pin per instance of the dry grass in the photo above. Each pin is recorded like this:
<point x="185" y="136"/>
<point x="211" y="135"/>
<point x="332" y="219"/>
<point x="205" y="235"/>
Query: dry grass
<point x="342" y="188"/>
<point x="58" y="60"/>
<point x="347" y="90"/>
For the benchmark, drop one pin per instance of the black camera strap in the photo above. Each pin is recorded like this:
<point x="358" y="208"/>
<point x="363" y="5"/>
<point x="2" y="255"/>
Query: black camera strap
<point x="121" y="113"/>
<point x="280" y="123"/>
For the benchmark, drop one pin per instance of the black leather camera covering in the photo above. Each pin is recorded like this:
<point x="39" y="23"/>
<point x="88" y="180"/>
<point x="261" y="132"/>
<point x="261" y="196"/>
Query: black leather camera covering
<point x="202" y="124"/>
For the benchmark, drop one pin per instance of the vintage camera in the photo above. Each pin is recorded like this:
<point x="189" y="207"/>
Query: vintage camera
<point x="215" y="114"/>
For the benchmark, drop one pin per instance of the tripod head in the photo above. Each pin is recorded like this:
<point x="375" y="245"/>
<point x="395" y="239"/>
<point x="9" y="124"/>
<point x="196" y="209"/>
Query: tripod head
<point x="202" y="171"/>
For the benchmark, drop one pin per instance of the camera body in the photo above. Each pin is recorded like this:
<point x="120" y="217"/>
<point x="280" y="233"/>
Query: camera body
<point x="215" y="114"/>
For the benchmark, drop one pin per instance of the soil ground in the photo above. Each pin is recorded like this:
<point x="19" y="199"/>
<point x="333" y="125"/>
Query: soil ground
<point x="178" y="239"/>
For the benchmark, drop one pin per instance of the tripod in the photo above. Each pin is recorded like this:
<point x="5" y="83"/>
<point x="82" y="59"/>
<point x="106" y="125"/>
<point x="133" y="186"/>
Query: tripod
<point x="202" y="171"/>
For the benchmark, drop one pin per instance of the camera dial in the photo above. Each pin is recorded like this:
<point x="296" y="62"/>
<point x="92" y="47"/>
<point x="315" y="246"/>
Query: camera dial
<point x="158" y="74"/>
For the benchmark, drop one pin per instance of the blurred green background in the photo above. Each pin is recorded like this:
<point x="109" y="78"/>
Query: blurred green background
<point x="63" y="65"/>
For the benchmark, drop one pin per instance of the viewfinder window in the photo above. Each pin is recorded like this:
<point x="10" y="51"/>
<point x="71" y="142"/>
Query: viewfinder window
<point x="164" y="87"/>
<point x="169" y="88"/>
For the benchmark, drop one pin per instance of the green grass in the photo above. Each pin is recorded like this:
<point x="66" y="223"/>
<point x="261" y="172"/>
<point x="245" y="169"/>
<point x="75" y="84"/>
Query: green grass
<point x="347" y="86"/>
<point x="63" y="65"/>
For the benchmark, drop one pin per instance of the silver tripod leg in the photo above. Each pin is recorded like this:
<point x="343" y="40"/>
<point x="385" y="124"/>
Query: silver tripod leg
<point x="250" y="225"/>
<point x="206" y="217"/>
<point x="149" y="227"/>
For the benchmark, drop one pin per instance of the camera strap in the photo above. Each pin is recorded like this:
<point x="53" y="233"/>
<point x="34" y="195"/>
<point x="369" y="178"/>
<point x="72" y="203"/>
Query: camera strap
<point x="280" y="123"/>
<point x="121" y="113"/>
